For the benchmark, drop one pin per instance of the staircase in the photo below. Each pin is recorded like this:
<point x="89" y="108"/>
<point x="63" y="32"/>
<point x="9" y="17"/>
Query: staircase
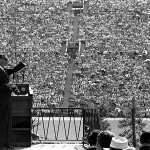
<point x="68" y="83"/>
<point x="76" y="8"/>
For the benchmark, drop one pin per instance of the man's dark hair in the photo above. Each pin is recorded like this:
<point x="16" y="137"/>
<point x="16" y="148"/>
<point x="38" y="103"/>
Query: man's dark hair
<point x="104" y="138"/>
<point x="145" y="137"/>
<point x="92" y="139"/>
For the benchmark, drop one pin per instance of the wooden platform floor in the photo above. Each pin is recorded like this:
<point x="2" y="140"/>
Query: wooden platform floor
<point x="52" y="147"/>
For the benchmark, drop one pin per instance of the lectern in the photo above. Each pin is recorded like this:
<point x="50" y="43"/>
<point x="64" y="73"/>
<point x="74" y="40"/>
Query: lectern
<point x="21" y="117"/>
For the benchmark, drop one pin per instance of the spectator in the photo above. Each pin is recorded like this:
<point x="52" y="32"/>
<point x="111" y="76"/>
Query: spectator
<point x="104" y="140"/>
<point x="120" y="143"/>
<point x="145" y="141"/>
<point x="92" y="139"/>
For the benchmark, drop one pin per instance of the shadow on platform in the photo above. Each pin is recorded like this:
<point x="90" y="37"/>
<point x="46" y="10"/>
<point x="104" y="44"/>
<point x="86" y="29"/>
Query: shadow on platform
<point x="53" y="147"/>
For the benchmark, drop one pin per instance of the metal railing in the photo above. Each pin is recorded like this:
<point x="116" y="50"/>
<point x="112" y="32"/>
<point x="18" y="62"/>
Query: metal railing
<point x="63" y="124"/>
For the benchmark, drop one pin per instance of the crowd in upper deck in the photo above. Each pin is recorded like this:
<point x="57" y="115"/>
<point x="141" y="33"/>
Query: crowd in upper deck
<point x="113" y="68"/>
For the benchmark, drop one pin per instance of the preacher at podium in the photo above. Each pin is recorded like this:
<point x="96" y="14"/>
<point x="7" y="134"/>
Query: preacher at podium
<point x="6" y="88"/>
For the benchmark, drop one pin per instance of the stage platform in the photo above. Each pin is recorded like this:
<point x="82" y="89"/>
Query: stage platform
<point x="53" y="147"/>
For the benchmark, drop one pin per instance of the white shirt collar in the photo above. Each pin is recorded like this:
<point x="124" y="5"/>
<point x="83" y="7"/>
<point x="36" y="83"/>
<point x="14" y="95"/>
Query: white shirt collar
<point x="2" y="69"/>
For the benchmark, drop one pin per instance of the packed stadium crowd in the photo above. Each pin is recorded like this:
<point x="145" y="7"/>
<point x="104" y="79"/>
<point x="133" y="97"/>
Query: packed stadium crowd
<point x="113" y="68"/>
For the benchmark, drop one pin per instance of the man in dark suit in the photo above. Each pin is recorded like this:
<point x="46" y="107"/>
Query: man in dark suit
<point x="6" y="89"/>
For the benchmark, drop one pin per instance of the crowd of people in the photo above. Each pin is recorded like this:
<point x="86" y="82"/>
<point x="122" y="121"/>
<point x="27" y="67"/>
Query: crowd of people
<point x="111" y="74"/>
<point x="113" y="68"/>
<point x="106" y="140"/>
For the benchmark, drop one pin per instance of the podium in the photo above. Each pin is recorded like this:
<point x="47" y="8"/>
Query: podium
<point x="21" y="117"/>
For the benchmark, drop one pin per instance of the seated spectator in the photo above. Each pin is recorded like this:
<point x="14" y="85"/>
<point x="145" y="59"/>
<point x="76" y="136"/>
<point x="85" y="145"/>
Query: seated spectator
<point x="104" y="140"/>
<point x="120" y="143"/>
<point x="92" y="139"/>
<point x="87" y="131"/>
<point x="145" y="141"/>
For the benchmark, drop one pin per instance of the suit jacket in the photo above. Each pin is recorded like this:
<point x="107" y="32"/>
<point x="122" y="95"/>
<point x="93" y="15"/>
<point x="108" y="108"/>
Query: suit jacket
<point x="5" y="92"/>
<point x="91" y="148"/>
<point x="144" y="148"/>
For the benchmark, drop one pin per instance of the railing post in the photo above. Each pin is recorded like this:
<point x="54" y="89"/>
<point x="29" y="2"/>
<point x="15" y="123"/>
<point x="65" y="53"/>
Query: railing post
<point x="83" y="114"/>
<point x="133" y="127"/>
<point x="133" y="121"/>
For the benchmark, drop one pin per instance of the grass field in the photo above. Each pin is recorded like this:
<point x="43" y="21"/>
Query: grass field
<point x="71" y="130"/>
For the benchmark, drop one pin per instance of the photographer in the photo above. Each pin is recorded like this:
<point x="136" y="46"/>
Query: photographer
<point x="6" y="89"/>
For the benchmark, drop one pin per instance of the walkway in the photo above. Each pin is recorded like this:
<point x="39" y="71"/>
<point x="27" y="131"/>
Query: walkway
<point x="53" y="147"/>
